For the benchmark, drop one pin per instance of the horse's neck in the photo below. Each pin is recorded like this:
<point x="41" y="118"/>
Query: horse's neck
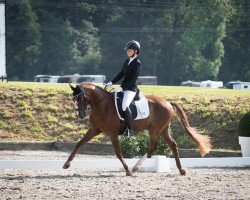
<point x="97" y="94"/>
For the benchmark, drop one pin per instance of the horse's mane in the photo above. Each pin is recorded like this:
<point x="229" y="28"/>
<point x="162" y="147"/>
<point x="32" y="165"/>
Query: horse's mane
<point x="88" y="85"/>
<point x="93" y="86"/>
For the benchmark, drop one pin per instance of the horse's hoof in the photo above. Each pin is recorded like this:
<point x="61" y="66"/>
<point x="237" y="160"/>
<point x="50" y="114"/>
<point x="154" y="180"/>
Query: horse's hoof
<point x="66" y="165"/>
<point x="128" y="173"/>
<point x="135" y="169"/>
<point x="183" y="172"/>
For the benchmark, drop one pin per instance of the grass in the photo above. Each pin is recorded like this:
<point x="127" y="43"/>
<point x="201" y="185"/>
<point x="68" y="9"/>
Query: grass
<point x="7" y="115"/>
<point x="22" y="104"/>
<point x="33" y="86"/>
<point x="166" y="91"/>
<point x="44" y="111"/>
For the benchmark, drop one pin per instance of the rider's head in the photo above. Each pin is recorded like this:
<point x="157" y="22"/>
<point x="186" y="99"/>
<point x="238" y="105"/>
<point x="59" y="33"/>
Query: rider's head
<point x="132" y="48"/>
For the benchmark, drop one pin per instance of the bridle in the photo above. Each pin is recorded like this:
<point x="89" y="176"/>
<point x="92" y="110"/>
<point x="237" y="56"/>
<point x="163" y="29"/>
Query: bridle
<point x="75" y="97"/>
<point x="86" y="103"/>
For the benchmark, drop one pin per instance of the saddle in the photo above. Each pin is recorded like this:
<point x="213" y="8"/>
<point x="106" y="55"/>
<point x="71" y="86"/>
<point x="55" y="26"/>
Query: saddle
<point x="139" y="106"/>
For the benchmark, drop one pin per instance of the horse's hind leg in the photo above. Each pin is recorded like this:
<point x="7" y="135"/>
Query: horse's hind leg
<point x="153" y="147"/>
<point x="89" y="135"/>
<point x="115" y="142"/>
<point x="173" y="146"/>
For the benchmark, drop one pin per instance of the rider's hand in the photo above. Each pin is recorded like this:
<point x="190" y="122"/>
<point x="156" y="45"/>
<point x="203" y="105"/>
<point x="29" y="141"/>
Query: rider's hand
<point x="108" y="84"/>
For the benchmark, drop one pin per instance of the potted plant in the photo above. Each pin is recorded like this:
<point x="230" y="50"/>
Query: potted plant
<point x="244" y="134"/>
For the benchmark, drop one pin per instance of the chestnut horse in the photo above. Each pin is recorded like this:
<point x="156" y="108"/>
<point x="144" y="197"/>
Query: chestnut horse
<point x="104" y="119"/>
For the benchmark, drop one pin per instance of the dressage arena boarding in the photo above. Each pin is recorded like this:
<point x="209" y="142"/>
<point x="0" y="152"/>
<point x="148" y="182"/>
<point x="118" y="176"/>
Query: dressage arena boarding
<point x="39" y="175"/>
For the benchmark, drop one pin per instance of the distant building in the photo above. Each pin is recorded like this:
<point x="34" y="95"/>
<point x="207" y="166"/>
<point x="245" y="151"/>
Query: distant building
<point x="75" y="78"/>
<point x="191" y="83"/>
<point x="238" y="85"/>
<point x="208" y="83"/>
<point x="68" y="78"/>
<point x="46" y="78"/>
<point x="147" y="80"/>
<point x="212" y="84"/>
<point x="91" y="78"/>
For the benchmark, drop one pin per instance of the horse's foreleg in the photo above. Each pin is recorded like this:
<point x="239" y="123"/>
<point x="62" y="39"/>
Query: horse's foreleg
<point x="118" y="153"/>
<point x="173" y="146"/>
<point x="152" y="148"/>
<point x="89" y="135"/>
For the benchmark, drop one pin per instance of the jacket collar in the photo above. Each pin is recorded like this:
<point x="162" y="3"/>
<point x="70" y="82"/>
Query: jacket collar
<point x="133" y="59"/>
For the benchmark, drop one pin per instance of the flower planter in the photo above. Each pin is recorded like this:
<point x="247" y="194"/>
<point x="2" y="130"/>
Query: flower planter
<point x="245" y="146"/>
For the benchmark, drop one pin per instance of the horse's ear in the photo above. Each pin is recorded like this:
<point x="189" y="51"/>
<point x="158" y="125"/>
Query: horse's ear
<point x="72" y="87"/>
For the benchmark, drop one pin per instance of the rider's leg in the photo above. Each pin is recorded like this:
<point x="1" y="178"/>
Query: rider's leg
<point x="129" y="122"/>
<point x="127" y="99"/>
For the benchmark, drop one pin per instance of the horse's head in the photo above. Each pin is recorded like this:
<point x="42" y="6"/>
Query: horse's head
<point x="80" y="100"/>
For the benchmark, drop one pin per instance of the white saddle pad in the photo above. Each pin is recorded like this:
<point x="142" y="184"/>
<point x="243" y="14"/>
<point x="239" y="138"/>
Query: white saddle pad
<point x="141" y="106"/>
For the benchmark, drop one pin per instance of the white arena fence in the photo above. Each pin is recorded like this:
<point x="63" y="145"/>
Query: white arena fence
<point x="154" y="164"/>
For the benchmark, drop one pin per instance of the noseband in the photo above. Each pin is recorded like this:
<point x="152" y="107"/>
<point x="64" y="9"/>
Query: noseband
<point x="75" y="97"/>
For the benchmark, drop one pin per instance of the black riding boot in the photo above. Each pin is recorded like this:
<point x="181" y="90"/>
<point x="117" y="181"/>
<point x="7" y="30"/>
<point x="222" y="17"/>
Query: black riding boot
<point x="129" y="122"/>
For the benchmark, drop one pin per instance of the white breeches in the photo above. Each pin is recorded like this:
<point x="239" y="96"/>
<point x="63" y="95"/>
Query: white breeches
<point x="127" y="99"/>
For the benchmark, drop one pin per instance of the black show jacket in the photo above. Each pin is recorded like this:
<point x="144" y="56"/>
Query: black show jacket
<point x="130" y="73"/>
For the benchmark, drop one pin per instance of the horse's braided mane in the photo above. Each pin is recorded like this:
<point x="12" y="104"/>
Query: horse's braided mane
<point x="88" y="85"/>
<point x="92" y="86"/>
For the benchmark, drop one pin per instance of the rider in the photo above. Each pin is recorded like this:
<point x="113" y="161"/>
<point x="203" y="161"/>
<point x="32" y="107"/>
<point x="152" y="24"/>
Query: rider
<point x="130" y="72"/>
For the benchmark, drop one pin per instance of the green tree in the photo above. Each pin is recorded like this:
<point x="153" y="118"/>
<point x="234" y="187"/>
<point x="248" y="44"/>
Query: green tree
<point x="58" y="46"/>
<point x="51" y="37"/>
<point x="198" y="29"/>
<point x="87" y="42"/>
<point x="84" y="46"/>
<point x="179" y="39"/>
<point x="23" y="40"/>
<point x="236" y="63"/>
<point x="122" y="22"/>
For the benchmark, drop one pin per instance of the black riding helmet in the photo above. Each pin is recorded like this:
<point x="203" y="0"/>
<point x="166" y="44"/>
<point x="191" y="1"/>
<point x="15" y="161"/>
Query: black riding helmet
<point x="133" y="45"/>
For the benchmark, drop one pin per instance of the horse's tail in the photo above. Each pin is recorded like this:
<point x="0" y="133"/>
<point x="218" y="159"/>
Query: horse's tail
<point x="202" y="141"/>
